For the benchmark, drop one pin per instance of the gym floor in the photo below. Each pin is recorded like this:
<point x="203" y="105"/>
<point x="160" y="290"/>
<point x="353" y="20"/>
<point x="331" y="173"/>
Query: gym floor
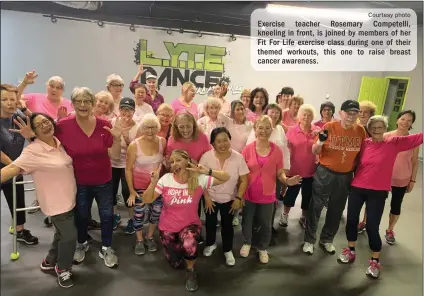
<point x="289" y="271"/>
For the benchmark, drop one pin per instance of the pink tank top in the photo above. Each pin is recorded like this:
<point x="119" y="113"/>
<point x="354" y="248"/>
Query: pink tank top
<point x="144" y="165"/>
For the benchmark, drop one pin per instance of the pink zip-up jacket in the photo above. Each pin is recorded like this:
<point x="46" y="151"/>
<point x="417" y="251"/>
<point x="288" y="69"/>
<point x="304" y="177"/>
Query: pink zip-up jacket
<point x="269" y="171"/>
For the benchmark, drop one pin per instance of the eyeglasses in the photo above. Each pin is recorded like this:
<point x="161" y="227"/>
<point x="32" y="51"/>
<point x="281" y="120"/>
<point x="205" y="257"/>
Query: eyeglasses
<point x="117" y="84"/>
<point x="164" y="115"/>
<point x="44" y="122"/>
<point x="85" y="102"/>
<point x="153" y="128"/>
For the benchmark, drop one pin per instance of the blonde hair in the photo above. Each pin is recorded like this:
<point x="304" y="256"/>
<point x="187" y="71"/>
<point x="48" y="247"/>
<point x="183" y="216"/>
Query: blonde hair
<point x="150" y="117"/>
<point x="370" y="105"/>
<point x="193" y="178"/>
<point x="83" y="92"/>
<point x="245" y="92"/>
<point x="106" y="94"/>
<point x="113" y="77"/>
<point x="298" y="99"/>
<point x="187" y="115"/>
<point x="164" y="107"/>
<point x="56" y="79"/>
<point x="186" y="86"/>
<point x="262" y="118"/>
<point x="306" y="108"/>
<point x="212" y="101"/>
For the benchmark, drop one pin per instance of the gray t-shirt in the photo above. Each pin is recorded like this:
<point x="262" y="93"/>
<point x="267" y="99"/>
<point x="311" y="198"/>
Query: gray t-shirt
<point x="11" y="143"/>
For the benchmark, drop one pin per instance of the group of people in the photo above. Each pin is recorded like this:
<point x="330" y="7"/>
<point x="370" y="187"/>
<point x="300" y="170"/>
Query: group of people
<point x="173" y="161"/>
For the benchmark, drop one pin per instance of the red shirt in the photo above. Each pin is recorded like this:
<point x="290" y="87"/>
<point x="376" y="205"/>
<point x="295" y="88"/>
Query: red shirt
<point x="90" y="156"/>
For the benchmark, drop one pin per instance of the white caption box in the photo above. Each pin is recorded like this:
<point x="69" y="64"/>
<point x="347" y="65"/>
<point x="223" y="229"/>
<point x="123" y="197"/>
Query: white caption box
<point x="305" y="39"/>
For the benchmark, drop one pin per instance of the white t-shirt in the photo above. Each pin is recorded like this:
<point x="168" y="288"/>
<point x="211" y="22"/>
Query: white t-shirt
<point x="140" y="111"/>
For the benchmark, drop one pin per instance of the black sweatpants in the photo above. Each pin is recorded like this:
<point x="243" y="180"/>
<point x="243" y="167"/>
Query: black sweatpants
<point x="293" y="191"/>
<point x="374" y="206"/>
<point x="7" y="189"/>
<point x="118" y="176"/>
<point x="331" y="186"/>
<point x="227" y="230"/>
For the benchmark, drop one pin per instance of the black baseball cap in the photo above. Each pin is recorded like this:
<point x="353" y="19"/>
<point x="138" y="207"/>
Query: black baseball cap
<point x="350" y="105"/>
<point x="127" y="103"/>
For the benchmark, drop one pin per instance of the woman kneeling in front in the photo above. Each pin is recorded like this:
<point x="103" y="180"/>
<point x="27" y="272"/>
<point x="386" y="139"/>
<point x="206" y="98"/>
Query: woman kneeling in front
<point x="179" y="223"/>
<point x="53" y="175"/>
<point x="377" y="158"/>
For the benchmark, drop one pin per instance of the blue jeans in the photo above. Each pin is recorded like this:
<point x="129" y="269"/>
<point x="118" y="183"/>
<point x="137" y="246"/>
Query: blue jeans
<point x="104" y="199"/>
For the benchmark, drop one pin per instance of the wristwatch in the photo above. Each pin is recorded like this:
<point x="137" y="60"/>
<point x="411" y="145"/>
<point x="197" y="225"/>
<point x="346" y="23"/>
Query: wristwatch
<point x="23" y="109"/>
<point x="238" y="197"/>
<point x="210" y="172"/>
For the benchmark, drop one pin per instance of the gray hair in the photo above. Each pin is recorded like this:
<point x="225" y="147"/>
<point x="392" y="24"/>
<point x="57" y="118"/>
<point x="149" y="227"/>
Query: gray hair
<point x="83" y="92"/>
<point x="306" y="108"/>
<point x="212" y="101"/>
<point x="150" y="117"/>
<point x="377" y="118"/>
<point x="56" y="80"/>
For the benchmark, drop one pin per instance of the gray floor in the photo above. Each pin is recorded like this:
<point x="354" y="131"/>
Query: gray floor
<point x="289" y="271"/>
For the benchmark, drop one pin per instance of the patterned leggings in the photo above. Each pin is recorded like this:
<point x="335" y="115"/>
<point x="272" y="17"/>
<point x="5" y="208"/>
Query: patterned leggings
<point x="146" y="213"/>
<point x="181" y="245"/>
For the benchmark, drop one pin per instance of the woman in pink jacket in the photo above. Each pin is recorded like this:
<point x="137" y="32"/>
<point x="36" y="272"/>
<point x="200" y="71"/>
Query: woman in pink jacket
<point x="265" y="162"/>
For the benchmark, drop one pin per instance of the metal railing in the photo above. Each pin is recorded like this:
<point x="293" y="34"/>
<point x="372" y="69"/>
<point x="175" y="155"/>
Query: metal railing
<point x="15" y="254"/>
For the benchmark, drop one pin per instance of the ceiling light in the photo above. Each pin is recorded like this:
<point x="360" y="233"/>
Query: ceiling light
<point x="341" y="14"/>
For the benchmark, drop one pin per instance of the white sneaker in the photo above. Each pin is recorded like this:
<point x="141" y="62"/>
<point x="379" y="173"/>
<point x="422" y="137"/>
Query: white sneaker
<point x="236" y="221"/>
<point x="209" y="250"/>
<point x="284" y="220"/>
<point x="245" y="250"/>
<point x="229" y="258"/>
<point x="308" y="248"/>
<point x="329" y="247"/>
<point x="263" y="256"/>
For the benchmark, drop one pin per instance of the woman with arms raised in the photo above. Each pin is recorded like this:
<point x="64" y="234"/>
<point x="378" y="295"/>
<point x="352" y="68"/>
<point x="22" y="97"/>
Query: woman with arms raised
<point x="46" y="160"/>
<point x="377" y="158"/>
<point x="179" y="223"/>
<point x="90" y="142"/>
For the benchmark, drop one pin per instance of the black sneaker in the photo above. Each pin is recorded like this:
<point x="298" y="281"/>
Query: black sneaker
<point x="46" y="266"/>
<point x="26" y="237"/>
<point x="94" y="225"/>
<point x="191" y="284"/>
<point x="200" y="240"/>
<point x="89" y="239"/>
<point x="48" y="222"/>
<point x="64" y="278"/>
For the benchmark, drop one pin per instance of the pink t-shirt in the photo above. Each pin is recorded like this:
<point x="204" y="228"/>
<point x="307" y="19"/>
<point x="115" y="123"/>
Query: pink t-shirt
<point x="254" y="192"/>
<point x="235" y="166"/>
<point x="179" y="207"/>
<point x="194" y="148"/>
<point x="179" y="107"/>
<point x="302" y="161"/>
<point x="146" y="164"/>
<point x="37" y="102"/>
<point x="378" y="158"/>
<point x="239" y="134"/>
<point x="89" y="154"/>
<point x="288" y="120"/>
<point x="252" y="116"/>
<point x="207" y="125"/>
<point x="402" y="169"/>
<point x="320" y="124"/>
<point x="53" y="175"/>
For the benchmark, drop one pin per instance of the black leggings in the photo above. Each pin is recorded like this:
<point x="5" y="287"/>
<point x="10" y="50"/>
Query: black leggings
<point x="7" y="189"/>
<point x="397" y="198"/>
<point x="118" y="175"/>
<point x="227" y="230"/>
<point x="374" y="201"/>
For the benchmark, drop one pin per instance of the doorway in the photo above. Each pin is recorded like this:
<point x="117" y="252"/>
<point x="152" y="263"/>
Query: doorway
<point x="387" y="93"/>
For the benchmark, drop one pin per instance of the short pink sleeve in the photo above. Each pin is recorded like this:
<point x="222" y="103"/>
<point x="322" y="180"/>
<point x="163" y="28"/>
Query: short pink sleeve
<point x="160" y="185"/>
<point x="205" y="182"/>
<point x="169" y="146"/>
<point x="108" y="136"/>
<point x="27" y="161"/>
<point x="279" y="158"/>
<point x="206" y="146"/>
<point x="30" y="100"/>
<point x="243" y="168"/>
